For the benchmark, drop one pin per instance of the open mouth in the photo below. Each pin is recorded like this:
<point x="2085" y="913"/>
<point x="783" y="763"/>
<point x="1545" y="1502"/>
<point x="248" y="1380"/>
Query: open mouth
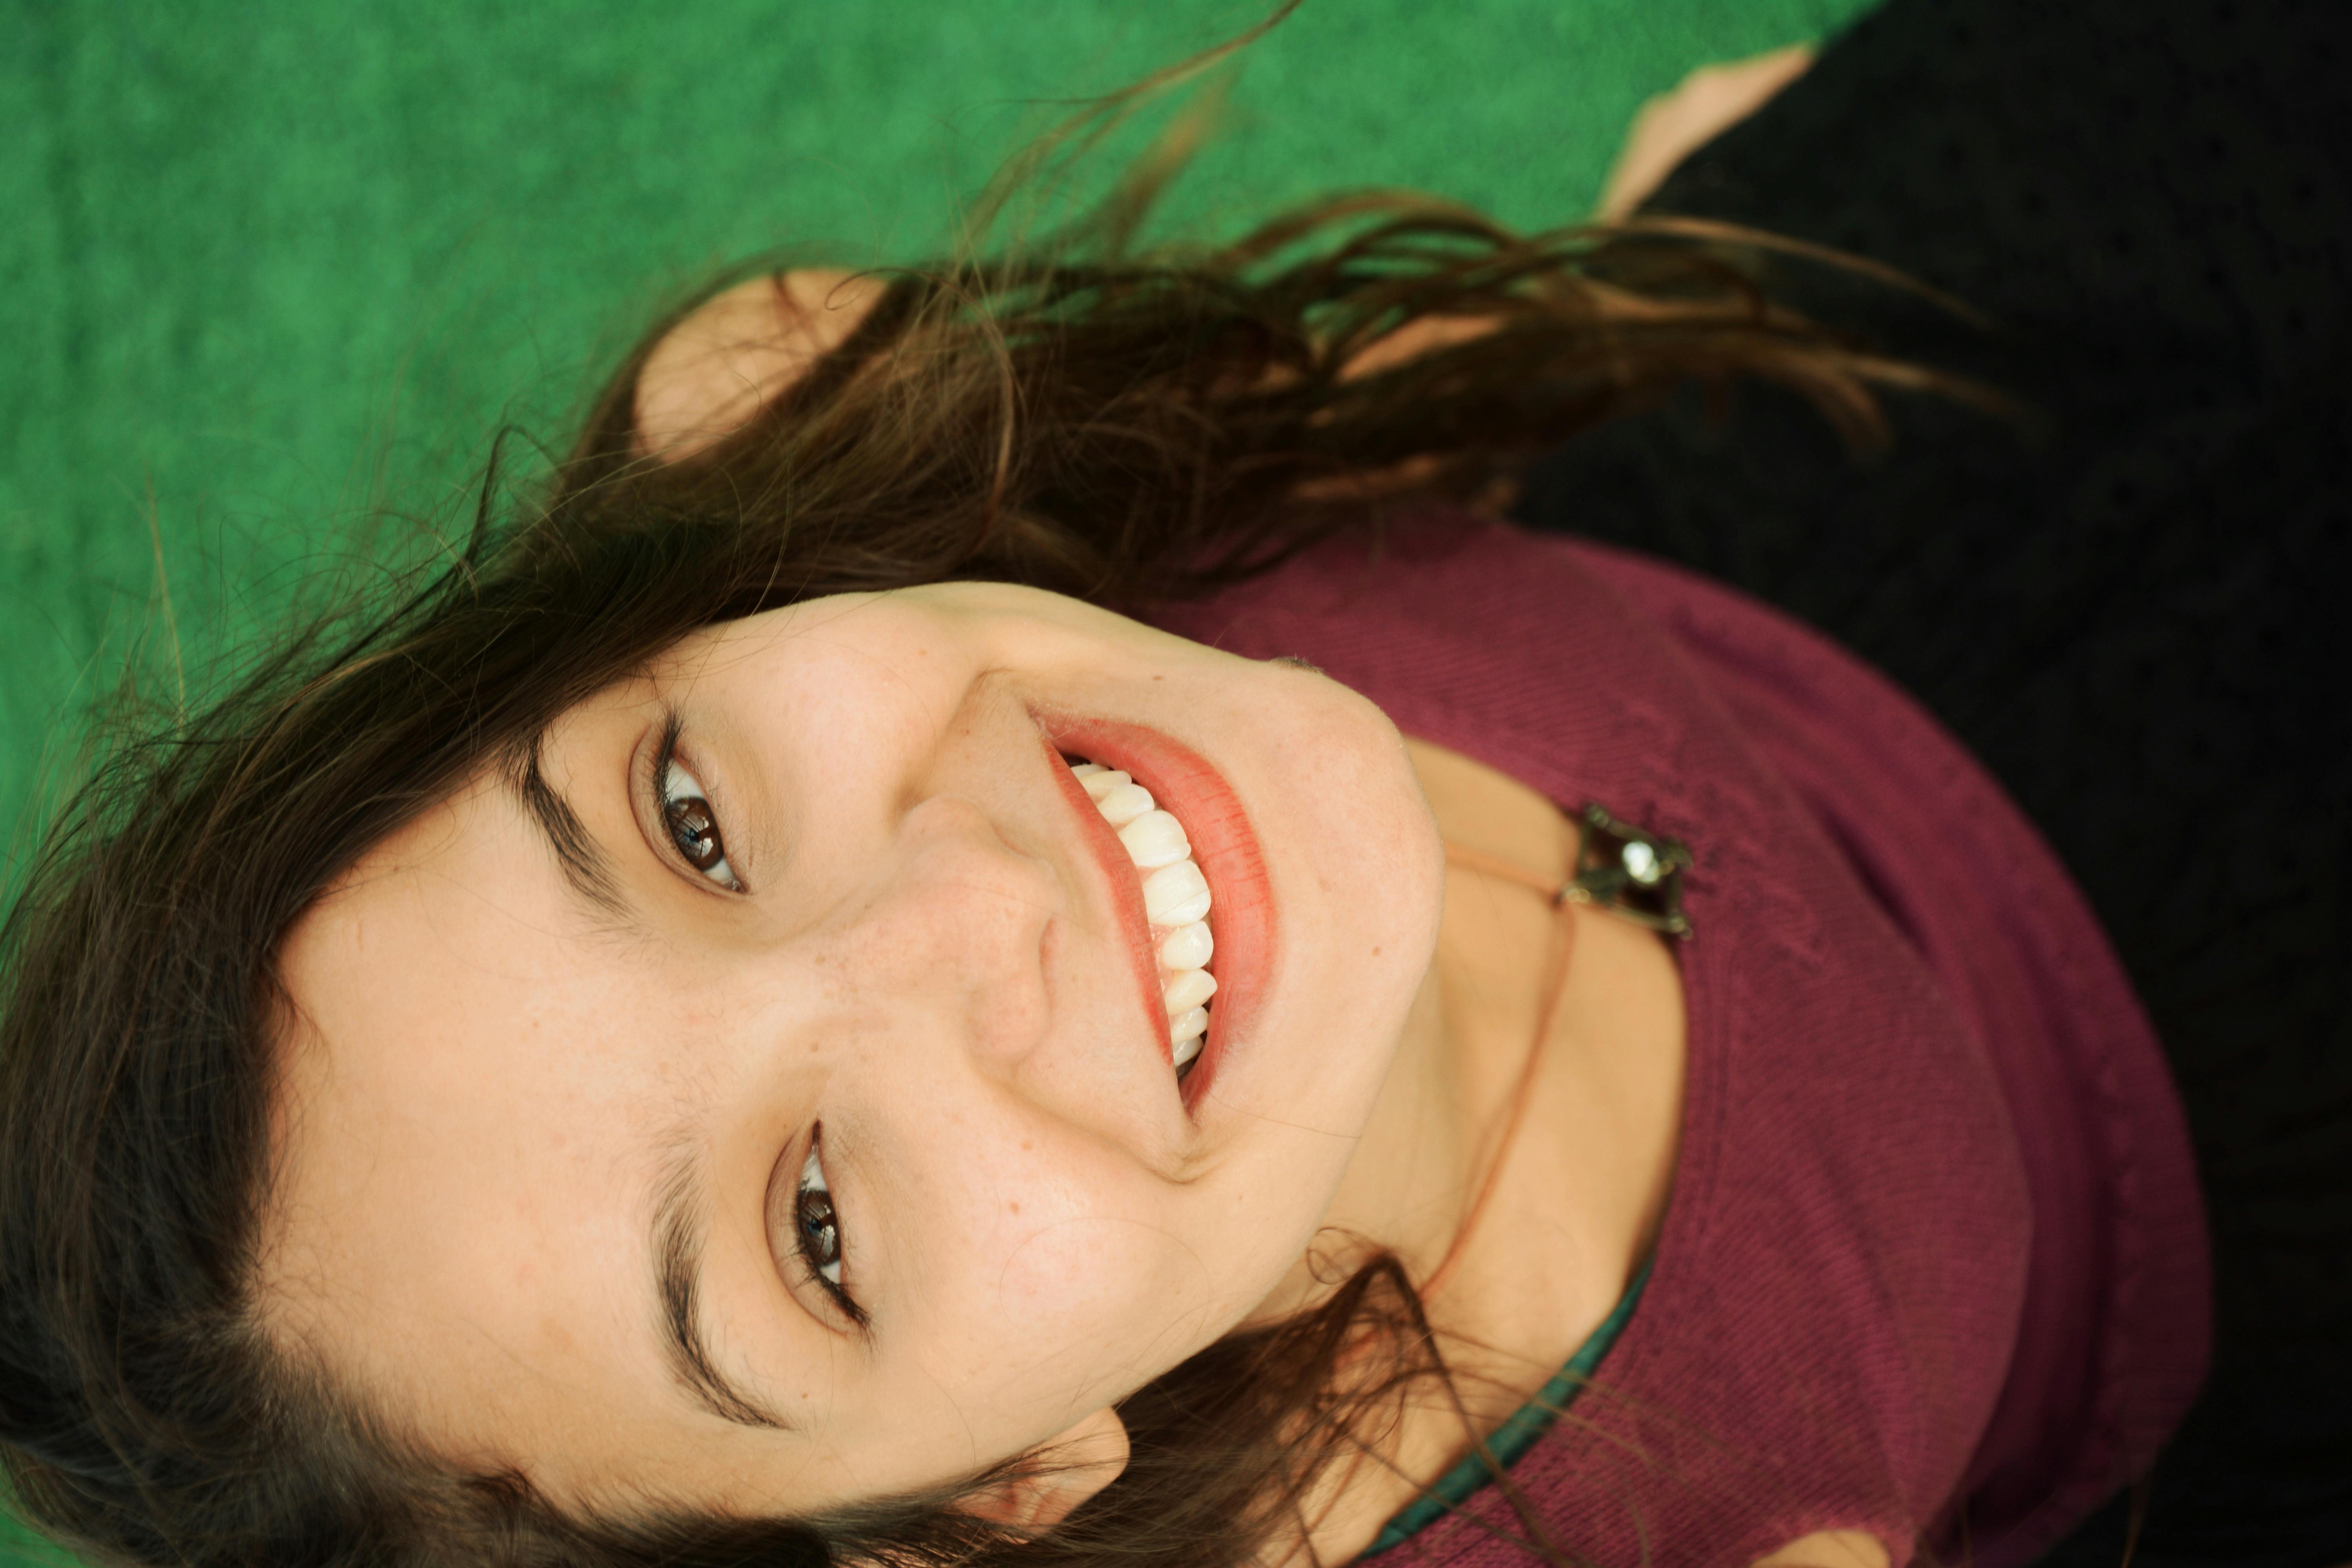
<point x="1213" y="877"/>
<point x="1176" y="901"/>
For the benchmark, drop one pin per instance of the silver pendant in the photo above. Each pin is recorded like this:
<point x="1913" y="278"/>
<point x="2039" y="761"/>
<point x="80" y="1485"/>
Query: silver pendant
<point x="1631" y="872"/>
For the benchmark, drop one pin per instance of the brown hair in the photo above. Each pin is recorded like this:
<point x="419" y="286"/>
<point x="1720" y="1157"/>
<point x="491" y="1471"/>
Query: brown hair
<point x="1122" y="423"/>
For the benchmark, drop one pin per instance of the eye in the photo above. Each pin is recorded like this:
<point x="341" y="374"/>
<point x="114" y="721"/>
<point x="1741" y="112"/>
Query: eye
<point x="816" y="1225"/>
<point x="693" y="826"/>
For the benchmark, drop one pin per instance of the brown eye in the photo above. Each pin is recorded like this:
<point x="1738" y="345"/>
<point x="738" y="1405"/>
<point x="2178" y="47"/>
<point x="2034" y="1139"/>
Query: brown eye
<point x="696" y="832"/>
<point x="820" y="1238"/>
<point x="816" y="1225"/>
<point x="694" y="827"/>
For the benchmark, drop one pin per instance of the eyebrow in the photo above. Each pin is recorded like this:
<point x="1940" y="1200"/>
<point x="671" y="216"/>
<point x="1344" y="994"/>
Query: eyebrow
<point x="585" y="865"/>
<point x="677" y="1271"/>
<point x="678" y="1236"/>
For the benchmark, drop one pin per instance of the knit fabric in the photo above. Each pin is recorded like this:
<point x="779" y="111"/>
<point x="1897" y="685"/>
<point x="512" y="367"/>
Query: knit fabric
<point x="1934" y="1264"/>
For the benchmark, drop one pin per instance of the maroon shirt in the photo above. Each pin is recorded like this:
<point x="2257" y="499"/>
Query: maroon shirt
<point x="1934" y="1264"/>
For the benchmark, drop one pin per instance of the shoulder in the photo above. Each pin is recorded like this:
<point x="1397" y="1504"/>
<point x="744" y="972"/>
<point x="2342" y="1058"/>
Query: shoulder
<point x="1829" y="1549"/>
<point x="714" y="370"/>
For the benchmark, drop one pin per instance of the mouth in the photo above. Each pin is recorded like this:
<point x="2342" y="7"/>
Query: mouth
<point x="1194" y="893"/>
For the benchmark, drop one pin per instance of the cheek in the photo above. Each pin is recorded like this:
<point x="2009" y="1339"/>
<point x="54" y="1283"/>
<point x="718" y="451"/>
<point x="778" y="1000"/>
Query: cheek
<point x="1075" y="1278"/>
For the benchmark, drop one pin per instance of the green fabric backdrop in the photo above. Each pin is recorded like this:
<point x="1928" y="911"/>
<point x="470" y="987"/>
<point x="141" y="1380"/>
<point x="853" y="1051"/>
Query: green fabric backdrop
<point x="272" y="268"/>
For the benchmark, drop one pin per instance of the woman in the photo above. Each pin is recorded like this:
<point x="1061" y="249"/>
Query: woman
<point x="681" y="1042"/>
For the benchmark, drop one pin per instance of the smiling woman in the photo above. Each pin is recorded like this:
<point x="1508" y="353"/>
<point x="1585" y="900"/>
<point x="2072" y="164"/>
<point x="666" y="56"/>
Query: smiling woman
<point x="1006" y="925"/>
<point x="819" y="1095"/>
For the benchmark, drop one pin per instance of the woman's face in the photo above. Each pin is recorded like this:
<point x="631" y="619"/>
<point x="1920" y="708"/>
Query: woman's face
<point x="768" y="1102"/>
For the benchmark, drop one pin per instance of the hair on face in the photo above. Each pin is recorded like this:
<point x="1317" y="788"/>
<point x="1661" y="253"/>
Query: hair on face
<point x="1125" y="423"/>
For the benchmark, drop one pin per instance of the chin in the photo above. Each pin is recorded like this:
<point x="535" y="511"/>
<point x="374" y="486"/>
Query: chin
<point x="1359" y="877"/>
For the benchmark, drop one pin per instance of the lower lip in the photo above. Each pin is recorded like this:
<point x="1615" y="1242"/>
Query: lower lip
<point x="1240" y="898"/>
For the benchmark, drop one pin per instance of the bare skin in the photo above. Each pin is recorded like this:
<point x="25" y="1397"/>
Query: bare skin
<point x="1588" y="1170"/>
<point x="1673" y="125"/>
<point x="465" y="1164"/>
<point x="489" y="1084"/>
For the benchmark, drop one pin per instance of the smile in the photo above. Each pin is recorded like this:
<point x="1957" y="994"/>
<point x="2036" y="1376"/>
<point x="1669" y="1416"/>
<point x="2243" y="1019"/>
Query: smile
<point x="1175" y="901"/>
<point x="1173" y="836"/>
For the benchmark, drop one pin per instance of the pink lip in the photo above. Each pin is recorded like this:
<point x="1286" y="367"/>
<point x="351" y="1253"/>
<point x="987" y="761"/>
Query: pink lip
<point x="1224" y="846"/>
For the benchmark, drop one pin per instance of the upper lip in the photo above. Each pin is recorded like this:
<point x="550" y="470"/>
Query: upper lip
<point x="1126" y="885"/>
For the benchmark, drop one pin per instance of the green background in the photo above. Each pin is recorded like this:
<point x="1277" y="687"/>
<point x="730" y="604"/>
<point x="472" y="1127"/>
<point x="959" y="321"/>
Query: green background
<point x="272" y="273"/>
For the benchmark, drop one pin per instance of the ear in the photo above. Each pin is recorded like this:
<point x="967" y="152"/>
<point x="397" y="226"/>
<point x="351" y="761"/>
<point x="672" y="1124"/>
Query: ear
<point x="1070" y="1469"/>
<point x="712" y="372"/>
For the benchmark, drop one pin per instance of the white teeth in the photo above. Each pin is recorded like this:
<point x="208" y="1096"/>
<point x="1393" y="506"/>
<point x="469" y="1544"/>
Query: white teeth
<point x="1155" y="840"/>
<point x="1187" y="990"/>
<point x="1123" y="803"/>
<point x="1192" y="909"/>
<point x="1175" y="899"/>
<point x="1187" y="947"/>
<point x="1175" y="895"/>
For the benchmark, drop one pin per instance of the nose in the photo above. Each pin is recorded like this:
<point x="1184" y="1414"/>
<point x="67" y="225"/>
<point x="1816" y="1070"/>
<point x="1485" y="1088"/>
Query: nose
<point x="953" y="931"/>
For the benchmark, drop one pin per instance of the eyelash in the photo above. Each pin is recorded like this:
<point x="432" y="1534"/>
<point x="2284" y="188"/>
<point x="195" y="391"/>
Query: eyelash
<point x="815" y="1221"/>
<point x="688" y="817"/>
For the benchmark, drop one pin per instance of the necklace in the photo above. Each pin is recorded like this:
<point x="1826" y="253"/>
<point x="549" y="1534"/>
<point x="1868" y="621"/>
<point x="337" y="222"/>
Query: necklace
<point x="1620" y="868"/>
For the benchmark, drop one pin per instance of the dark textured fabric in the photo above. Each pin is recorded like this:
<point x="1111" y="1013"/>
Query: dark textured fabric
<point x="1935" y="1240"/>
<point x="2136" y="618"/>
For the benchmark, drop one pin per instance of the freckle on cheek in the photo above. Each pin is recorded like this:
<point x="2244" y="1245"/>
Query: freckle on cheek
<point x="558" y="1337"/>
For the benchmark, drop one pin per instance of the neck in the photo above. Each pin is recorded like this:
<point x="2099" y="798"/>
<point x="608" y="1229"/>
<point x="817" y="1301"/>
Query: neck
<point x="1438" y="1129"/>
<point x="1587" y="1167"/>
<point x="1416" y="1171"/>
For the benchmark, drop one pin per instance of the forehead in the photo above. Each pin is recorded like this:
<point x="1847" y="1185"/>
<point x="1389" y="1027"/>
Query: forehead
<point x="462" y="1155"/>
